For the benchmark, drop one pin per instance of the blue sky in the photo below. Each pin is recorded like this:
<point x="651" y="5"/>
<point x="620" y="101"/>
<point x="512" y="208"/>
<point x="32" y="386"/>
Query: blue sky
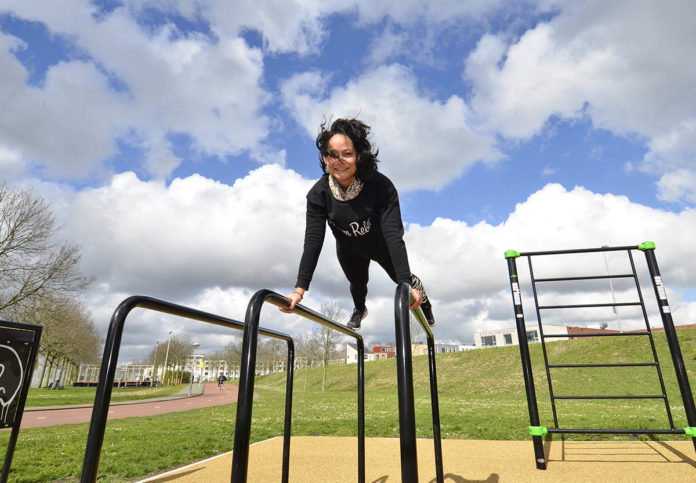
<point x="490" y="117"/>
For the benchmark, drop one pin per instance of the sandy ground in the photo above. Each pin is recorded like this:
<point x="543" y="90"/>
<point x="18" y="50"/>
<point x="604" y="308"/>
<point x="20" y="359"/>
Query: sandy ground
<point x="326" y="459"/>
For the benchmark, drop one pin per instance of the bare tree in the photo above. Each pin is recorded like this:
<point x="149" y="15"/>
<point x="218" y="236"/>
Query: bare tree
<point x="326" y="338"/>
<point x="69" y="337"/>
<point x="32" y="263"/>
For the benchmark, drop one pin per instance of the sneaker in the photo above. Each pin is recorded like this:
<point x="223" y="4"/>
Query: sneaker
<point x="355" y="318"/>
<point x="427" y="309"/>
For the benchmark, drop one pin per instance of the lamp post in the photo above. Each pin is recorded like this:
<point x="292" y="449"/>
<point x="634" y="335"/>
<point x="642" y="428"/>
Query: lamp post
<point x="195" y="346"/>
<point x="166" y="358"/>
<point x="153" y="379"/>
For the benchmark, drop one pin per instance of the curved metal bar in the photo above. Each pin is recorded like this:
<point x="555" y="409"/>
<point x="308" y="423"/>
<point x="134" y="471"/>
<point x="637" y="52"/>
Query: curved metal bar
<point x="112" y="346"/>
<point x="242" y="430"/>
<point x="404" y="375"/>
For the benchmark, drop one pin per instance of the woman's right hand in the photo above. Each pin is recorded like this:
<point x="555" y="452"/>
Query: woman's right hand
<point x="294" y="298"/>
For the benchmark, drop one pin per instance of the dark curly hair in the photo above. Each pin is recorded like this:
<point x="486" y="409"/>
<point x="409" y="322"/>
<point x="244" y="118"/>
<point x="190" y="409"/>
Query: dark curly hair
<point x="358" y="132"/>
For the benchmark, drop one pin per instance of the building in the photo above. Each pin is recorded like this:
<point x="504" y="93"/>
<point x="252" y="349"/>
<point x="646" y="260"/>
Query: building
<point x="384" y="352"/>
<point x="503" y="337"/>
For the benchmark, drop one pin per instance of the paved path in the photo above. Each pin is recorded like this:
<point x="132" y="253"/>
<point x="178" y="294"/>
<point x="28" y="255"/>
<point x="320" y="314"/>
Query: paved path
<point x="211" y="396"/>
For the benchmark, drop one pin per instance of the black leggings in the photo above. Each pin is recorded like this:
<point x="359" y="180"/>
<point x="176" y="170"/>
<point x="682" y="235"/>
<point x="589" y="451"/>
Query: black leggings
<point x="357" y="271"/>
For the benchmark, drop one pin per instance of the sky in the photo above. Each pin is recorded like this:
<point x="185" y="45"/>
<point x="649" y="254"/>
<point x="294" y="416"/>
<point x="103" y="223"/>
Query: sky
<point x="174" y="142"/>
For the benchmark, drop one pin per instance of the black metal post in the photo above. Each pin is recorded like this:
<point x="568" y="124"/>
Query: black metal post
<point x="404" y="377"/>
<point x="539" y="456"/>
<point x="112" y="346"/>
<point x="242" y="430"/>
<point x="437" y="440"/>
<point x="682" y="378"/>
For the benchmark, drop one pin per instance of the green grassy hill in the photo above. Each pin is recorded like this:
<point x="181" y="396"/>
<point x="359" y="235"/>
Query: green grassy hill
<point x="481" y="392"/>
<point x="481" y="396"/>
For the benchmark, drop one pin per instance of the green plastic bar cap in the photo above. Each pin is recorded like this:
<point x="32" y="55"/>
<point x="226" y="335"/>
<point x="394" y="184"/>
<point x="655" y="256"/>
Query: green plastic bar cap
<point x="512" y="254"/>
<point x="538" y="430"/>
<point x="690" y="431"/>
<point x="648" y="245"/>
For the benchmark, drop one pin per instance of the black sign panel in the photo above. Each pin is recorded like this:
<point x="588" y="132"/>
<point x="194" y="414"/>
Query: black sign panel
<point x="18" y="346"/>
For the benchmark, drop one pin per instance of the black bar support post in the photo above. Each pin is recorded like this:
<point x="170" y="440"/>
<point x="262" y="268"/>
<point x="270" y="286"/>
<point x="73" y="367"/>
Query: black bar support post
<point x="665" y="312"/>
<point x="434" y="402"/>
<point x="242" y="430"/>
<point x="112" y="345"/>
<point x="404" y="377"/>
<point x="539" y="455"/>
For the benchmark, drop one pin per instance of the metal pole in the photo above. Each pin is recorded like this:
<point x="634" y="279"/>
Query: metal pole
<point x="404" y="376"/>
<point x="153" y="383"/>
<point x="242" y="430"/>
<point x="195" y="346"/>
<point x="611" y="286"/>
<point x="166" y="358"/>
<point x="665" y="312"/>
<point x="288" y="412"/>
<point x="539" y="456"/>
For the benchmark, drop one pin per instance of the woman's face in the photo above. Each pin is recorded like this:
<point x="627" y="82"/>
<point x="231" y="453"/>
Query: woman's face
<point x="341" y="160"/>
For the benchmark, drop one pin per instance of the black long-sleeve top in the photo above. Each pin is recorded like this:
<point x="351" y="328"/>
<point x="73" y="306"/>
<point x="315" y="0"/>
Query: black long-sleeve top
<point x="367" y="224"/>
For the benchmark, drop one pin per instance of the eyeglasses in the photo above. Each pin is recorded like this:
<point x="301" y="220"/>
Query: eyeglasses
<point x="334" y="156"/>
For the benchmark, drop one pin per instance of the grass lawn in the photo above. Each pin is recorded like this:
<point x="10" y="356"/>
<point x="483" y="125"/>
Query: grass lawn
<point x="71" y="396"/>
<point x="481" y="396"/>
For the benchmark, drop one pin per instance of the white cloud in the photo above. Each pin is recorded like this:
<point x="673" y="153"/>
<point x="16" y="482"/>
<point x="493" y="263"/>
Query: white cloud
<point x="211" y="246"/>
<point x="619" y="63"/>
<point x="676" y="185"/>
<point x="135" y="85"/>
<point x="423" y="142"/>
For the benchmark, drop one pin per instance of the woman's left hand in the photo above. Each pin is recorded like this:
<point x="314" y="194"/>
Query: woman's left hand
<point x="417" y="299"/>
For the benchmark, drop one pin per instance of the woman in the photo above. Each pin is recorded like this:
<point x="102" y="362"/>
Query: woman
<point x="361" y="206"/>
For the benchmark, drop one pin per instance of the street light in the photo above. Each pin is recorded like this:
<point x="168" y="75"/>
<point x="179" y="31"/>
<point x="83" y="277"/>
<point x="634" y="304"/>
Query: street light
<point x="195" y="346"/>
<point x="166" y="358"/>
<point x="153" y="379"/>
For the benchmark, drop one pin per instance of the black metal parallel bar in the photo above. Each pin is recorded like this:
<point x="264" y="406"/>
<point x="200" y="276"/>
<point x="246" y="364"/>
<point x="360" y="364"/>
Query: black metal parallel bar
<point x="437" y="440"/>
<point x="242" y="430"/>
<point x="592" y="277"/>
<point x="404" y="376"/>
<point x="616" y="431"/>
<point x="579" y="250"/>
<point x="672" y="341"/>
<point x="617" y="364"/>
<point x="649" y="396"/>
<point x="540" y="457"/>
<point x="610" y="334"/>
<point x="586" y="306"/>
<point x="112" y="346"/>
<point x="25" y="384"/>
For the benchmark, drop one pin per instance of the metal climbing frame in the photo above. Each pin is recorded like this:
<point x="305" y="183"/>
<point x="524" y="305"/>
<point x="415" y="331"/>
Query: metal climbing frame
<point x="536" y="430"/>
<point x="112" y="346"/>
<point x="242" y="430"/>
<point x="407" y="418"/>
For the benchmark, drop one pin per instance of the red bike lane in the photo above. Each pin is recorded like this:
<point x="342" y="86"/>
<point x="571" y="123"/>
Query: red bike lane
<point x="212" y="396"/>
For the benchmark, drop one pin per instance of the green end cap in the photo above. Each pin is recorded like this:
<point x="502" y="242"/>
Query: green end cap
<point x="538" y="430"/>
<point x="512" y="254"/>
<point x="690" y="431"/>
<point x="648" y="245"/>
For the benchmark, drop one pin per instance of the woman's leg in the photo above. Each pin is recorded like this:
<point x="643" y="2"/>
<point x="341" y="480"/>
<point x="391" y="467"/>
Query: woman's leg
<point x="357" y="270"/>
<point x="385" y="262"/>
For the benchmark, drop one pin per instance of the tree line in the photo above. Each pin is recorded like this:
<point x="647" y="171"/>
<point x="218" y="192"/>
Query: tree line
<point x="40" y="283"/>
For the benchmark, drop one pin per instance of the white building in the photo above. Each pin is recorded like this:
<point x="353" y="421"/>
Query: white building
<point x="502" y="337"/>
